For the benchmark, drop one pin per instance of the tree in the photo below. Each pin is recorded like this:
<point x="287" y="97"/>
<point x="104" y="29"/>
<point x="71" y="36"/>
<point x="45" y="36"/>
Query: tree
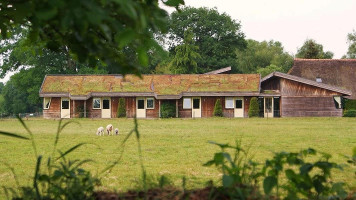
<point x="216" y="35"/>
<point x="259" y="55"/>
<point x="186" y="56"/>
<point x="351" y="39"/>
<point x="313" y="50"/>
<point x="269" y="69"/>
<point x="218" y="109"/>
<point x="109" y="31"/>
<point x="121" y="110"/>
<point x="254" y="109"/>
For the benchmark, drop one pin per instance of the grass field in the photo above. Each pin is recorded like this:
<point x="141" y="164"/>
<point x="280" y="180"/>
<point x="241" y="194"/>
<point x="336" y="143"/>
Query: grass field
<point x="174" y="147"/>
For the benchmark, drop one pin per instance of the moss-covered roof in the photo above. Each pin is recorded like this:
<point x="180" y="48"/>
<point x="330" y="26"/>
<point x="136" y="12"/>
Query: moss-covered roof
<point x="158" y="84"/>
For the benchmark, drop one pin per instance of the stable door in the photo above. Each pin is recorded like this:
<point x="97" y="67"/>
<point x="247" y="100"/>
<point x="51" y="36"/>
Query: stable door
<point x="65" y="108"/>
<point x="268" y="112"/>
<point x="239" y="107"/>
<point x="140" y="108"/>
<point x="196" y="109"/>
<point x="106" y="110"/>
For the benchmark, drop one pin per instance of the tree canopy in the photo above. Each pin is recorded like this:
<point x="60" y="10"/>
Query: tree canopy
<point x="351" y="39"/>
<point x="312" y="50"/>
<point x="216" y="35"/>
<point x="260" y="55"/>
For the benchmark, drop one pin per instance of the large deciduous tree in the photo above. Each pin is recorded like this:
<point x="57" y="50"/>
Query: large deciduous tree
<point x="113" y="32"/>
<point x="351" y="39"/>
<point x="263" y="56"/>
<point x="312" y="50"/>
<point x="216" y="35"/>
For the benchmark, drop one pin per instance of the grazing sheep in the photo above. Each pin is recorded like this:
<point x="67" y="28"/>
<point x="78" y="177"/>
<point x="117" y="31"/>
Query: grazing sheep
<point x="109" y="129"/>
<point x="116" y="131"/>
<point x="100" y="131"/>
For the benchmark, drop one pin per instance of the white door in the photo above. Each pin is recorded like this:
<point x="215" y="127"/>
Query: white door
<point x="106" y="109"/>
<point x="65" y="108"/>
<point x="268" y="112"/>
<point x="196" y="108"/>
<point x="140" y="107"/>
<point x="239" y="107"/>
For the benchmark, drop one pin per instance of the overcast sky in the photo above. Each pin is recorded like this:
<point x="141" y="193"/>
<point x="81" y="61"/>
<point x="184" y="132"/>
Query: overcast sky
<point x="291" y="21"/>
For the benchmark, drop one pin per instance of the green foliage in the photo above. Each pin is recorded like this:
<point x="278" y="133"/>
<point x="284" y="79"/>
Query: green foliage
<point x="216" y="35"/>
<point x="80" y="110"/>
<point x="168" y="109"/>
<point x="261" y="55"/>
<point x="186" y="56"/>
<point x="218" y="109"/>
<point x="114" y="32"/>
<point x="350" y="104"/>
<point x="349" y="113"/>
<point x="239" y="174"/>
<point x="121" y="110"/>
<point x="313" y="50"/>
<point x="351" y="39"/>
<point x="269" y="69"/>
<point x="311" y="180"/>
<point x="254" y="108"/>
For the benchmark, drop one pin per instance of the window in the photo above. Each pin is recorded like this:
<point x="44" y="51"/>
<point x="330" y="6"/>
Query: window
<point x="196" y="103"/>
<point x="187" y="103"/>
<point x="140" y="104"/>
<point x="46" y="102"/>
<point x="106" y="104"/>
<point x="65" y="104"/>
<point x="229" y="102"/>
<point x="150" y="103"/>
<point x="268" y="102"/>
<point x="337" y="101"/>
<point x="96" y="103"/>
<point x="318" y="79"/>
<point x="238" y="103"/>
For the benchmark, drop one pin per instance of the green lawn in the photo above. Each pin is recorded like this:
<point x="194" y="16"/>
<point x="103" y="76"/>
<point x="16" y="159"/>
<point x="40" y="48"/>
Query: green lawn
<point x="174" y="147"/>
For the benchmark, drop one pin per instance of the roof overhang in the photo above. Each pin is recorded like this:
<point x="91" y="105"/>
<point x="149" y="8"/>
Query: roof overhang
<point x="306" y="81"/>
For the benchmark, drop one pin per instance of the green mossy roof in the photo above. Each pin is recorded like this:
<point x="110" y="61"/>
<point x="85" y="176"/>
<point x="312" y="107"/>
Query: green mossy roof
<point x="159" y="84"/>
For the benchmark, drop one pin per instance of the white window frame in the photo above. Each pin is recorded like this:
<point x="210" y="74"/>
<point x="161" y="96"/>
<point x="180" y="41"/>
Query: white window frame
<point x="153" y="105"/>
<point x="232" y="105"/>
<point x="99" y="102"/>
<point x="190" y="103"/>
<point x="49" y="102"/>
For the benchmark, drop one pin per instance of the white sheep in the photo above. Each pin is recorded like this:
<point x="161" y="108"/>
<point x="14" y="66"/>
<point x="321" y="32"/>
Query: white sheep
<point x="116" y="131"/>
<point x="109" y="129"/>
<point x="100" y="131"/>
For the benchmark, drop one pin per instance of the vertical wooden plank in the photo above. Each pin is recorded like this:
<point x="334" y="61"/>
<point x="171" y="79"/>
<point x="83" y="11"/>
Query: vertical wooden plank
<point x="176" y="108"/>
<point x="85" y="108"/>
<point x="73" y="108"/>
<point x="159" y="108"/>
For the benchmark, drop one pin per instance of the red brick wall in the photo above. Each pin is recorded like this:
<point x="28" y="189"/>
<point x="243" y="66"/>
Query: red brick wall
<point x="153" y="113"/>
<point x="54" y="110"/>
<point x="92" y="113"/>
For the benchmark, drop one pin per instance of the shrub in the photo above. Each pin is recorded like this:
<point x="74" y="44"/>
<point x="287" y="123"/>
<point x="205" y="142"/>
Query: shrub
<point x="168" y="110"/>
<point x="350" y="104"/>
<point x="350" y="113"/>
<point x="218" y="109"/>
<point x="254" y="109"/>
<point x="121" y="110"/>
<point x="80" y="111"/>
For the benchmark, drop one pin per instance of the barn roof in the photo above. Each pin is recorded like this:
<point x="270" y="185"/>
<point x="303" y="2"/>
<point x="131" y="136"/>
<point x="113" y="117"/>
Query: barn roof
<point x="337" y="72"/>
<point x="160" y="86"/>
<point x="306" y="81"/>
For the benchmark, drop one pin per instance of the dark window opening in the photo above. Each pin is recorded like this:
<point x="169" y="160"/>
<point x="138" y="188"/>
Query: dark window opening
<point x="261" y="106"/>
<point x="65" y="104"/>
<point x="238" y="103"/>
<point x="106" y="104"/>
<point x="276" y="111"/>
<point x="140" y="104"/>
<point x="196" y="103"/>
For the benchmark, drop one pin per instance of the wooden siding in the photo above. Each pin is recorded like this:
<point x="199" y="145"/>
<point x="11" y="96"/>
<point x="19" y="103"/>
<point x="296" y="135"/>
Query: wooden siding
<point x="114" y="106"/>
<point x="54" y="110"/>
<point x="92" y="113"/>
<point x="271" y="84"/>
<point x="183" y="113"/>
<point x="293" y="88"/>
<point x="130" y="107"/>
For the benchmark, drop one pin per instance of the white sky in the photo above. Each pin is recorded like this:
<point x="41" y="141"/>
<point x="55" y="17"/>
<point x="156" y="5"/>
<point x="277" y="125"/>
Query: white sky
<point x="290" y="21"/>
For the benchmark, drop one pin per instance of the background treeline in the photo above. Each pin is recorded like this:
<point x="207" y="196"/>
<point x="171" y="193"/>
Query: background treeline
<point x="197" y="40"/>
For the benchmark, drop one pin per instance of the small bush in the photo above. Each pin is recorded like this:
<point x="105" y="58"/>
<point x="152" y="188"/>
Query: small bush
<point x="254" y="109"/>
<point x="121" y="110"/>
<point x="218" y="109"/>
<point x="168" y="110"/>
<point x="350" y="104"/>
<point x="350" y="113"/>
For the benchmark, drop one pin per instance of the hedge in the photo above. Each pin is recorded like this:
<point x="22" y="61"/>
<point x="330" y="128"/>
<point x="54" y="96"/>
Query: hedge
<point x="218" y="109"/>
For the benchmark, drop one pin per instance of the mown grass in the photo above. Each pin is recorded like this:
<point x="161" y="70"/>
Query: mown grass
<point x="173" y="147"/>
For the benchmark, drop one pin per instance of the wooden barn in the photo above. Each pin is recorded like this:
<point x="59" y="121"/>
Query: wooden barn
<point x="293" y="96"/>
<point x="336" y="72"/>
<point x="194" y="96"/>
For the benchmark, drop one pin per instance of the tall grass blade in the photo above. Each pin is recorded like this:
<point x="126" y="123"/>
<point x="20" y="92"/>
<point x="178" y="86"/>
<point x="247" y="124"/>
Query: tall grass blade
<point x="35" y="185"/>
<point x="13" y="135"/>
<point x="71" y="149"/>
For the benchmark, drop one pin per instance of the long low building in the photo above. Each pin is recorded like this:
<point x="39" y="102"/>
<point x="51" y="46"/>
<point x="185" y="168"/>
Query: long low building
<point x="194" y="96"/>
